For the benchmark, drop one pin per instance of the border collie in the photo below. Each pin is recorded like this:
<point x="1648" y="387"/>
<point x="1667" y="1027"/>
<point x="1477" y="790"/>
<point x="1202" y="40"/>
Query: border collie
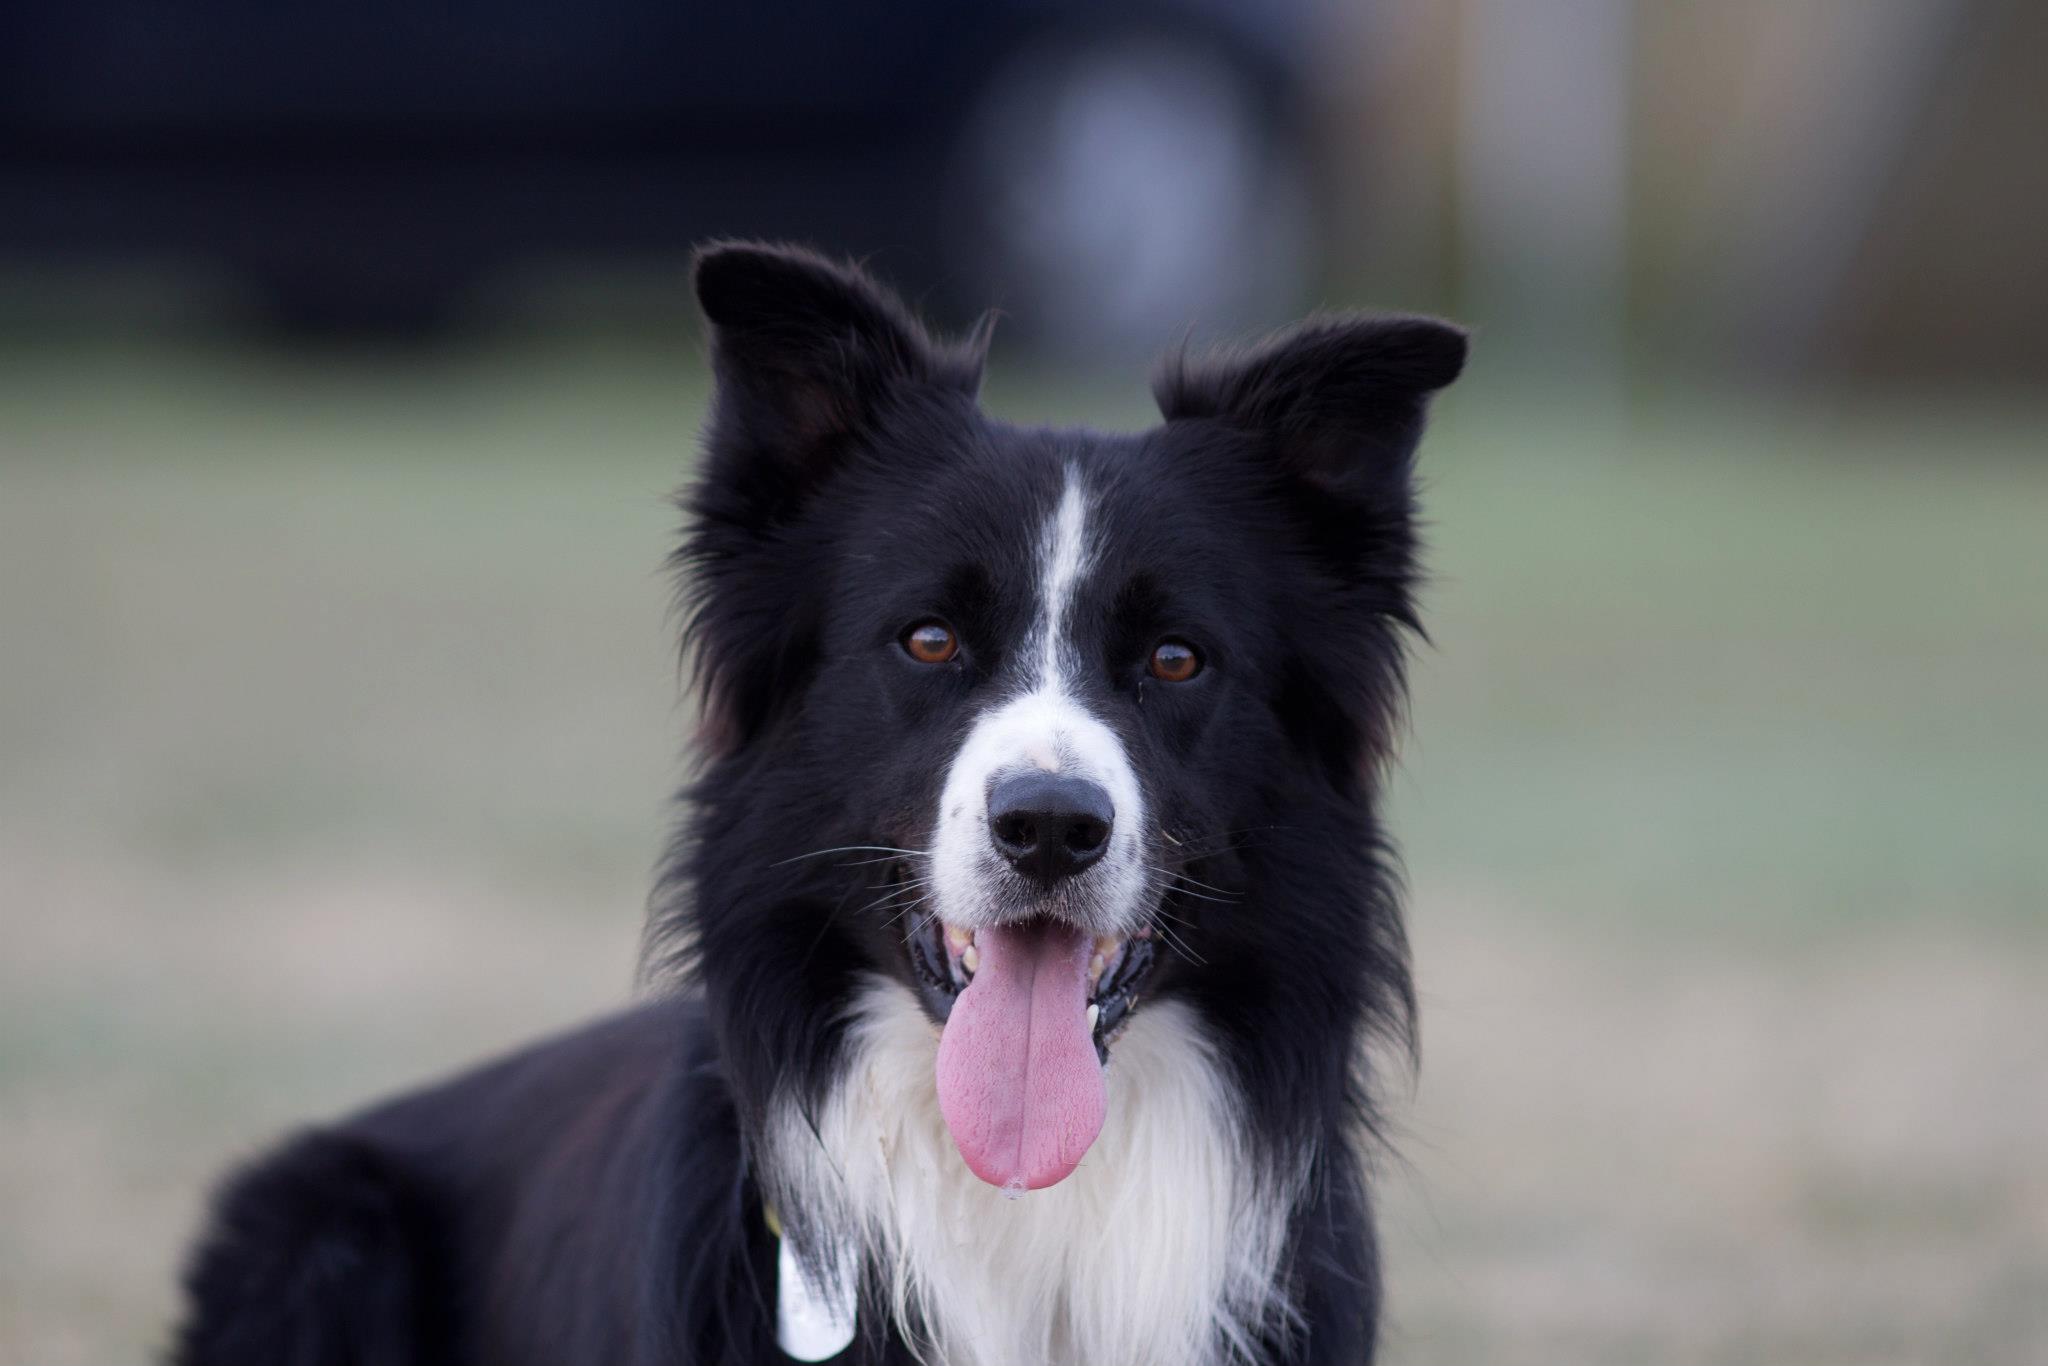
<point x="1031" y="912"/>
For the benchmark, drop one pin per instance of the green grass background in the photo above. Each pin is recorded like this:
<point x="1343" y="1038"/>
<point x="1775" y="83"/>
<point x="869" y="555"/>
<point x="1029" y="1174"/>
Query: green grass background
<point x="339" y="709"/>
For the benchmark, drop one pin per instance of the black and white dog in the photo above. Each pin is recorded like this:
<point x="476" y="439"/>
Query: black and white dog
<point x="1032" y="907"/>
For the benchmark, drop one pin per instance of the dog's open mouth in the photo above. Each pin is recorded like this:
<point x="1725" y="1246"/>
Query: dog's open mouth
<point x="1030" y="1010"/>
<point x="946" y="958"/>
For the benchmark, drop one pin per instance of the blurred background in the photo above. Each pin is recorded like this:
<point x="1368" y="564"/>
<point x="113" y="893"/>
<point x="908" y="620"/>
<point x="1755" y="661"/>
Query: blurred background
<point x="346" y="358"/>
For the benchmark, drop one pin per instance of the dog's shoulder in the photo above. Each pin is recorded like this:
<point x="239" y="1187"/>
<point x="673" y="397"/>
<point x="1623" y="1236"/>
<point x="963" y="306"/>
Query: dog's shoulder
<point x="522" y="1191"/>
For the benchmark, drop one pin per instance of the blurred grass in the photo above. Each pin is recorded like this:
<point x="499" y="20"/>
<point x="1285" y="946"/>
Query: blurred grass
<point x="1792" y="665"/>
<point x="338" y="715"/>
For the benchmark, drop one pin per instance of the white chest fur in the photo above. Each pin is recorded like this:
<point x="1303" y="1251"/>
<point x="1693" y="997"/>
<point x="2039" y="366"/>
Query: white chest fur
<point x="1164" y="1247"/>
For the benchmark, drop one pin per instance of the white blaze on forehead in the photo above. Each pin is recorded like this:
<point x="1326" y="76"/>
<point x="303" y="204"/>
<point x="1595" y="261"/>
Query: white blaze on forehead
<point x="1045" y="726"/>
<point x="1062" y="557"/>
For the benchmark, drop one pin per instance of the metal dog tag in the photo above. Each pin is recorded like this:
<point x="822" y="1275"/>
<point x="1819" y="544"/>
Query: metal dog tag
<point x="812" y="1322"/>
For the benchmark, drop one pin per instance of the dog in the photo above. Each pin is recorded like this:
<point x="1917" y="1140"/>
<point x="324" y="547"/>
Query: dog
<point x="1031" y="913"/>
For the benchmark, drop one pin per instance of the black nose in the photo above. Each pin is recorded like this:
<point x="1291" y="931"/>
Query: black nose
<point x="1047" y="826"/>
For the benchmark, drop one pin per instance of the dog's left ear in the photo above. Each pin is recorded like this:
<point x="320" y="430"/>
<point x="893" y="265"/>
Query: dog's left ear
<point x="1333" y="410"/>
<point x="805" y="352"/>
<point x="1340" y="401"/>
<point x="1335" y="407"/>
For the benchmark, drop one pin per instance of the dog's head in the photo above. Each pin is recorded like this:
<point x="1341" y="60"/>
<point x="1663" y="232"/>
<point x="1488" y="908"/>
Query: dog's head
<point x="1040" y="722"/>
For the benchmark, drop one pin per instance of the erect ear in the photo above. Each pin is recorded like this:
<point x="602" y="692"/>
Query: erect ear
<point x="808" y="356"/>
<point x="1333" y="409"/>
<point x="804" y="351"/>
<point x="1339" y="401"/>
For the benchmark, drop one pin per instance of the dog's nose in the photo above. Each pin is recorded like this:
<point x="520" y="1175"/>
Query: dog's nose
<point x="1047" y="826"/>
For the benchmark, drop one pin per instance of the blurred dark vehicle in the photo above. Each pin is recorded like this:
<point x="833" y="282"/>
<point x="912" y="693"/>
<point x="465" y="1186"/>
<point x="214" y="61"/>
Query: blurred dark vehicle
<point x="1099" y="169"/>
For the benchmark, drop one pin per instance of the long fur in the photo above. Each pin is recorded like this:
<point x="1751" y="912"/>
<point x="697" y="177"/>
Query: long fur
<point x="1167" y="1246"/>
<point x="604" y="1196"/>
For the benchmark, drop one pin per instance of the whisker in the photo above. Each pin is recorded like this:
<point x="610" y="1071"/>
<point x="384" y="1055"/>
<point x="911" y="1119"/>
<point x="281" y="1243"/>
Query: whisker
<point x="898" y="891"/>
<point x="896" y="919"/>
<point x="1167" y="884"/>
<point x="1164" y="878"/>
<point x="1178" y="945"/>
<point x="852" y="849"/>
<point x="826" y="928"/>
<point x="1225" y="841"/>
<point x="888" y="897"/>
<point x="1203" y="896"/>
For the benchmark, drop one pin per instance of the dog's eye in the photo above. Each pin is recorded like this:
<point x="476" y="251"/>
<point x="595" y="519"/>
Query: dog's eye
<point x="931" y="642"/>
<point x="1175" y="661"/>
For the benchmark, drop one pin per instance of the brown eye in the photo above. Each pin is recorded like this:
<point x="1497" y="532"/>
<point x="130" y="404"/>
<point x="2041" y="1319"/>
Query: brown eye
<point x="931" y="642"/>
<point x="1175" y="661"/>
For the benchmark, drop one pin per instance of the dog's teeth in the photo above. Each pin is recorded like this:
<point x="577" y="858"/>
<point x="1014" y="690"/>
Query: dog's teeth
<point x="957" y="938"/>
<point x="970" y="958"/>
<point x="1095" y="967"/>
<point x="1094" y="1014"/>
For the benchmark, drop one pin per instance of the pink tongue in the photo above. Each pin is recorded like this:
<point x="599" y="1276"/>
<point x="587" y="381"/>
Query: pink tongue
<point x="1019" y="1082"/>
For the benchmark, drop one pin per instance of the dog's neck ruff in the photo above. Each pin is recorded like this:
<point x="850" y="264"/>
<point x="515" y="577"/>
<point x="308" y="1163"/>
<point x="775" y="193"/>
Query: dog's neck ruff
<point x="1167" y="1244"/>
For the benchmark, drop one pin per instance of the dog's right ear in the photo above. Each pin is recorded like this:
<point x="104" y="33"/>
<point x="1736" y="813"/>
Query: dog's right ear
<point x="805" y="351"/>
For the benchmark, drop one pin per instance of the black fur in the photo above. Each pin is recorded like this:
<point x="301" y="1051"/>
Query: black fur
<point x="593" y="1199"/>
